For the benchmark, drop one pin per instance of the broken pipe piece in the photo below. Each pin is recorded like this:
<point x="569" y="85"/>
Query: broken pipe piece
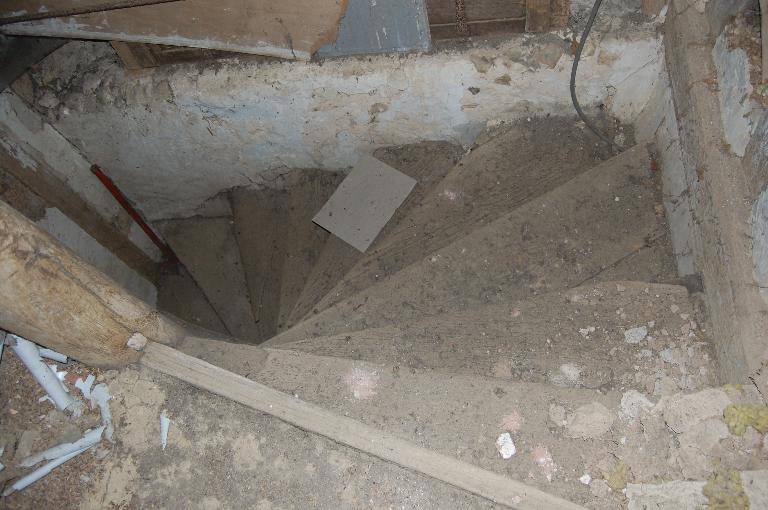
<point x="30" y="356"/>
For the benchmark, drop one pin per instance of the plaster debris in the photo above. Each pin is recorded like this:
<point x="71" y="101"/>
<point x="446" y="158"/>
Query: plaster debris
<point x="506" y="446"/>
<point x="636" y="335"/>
<point x="683" y="412"/>
<point x="165" y="425"/>
<point x="91" y="438"/>
<point x="29" y="354"/>
<point x="634" y="404"/>
<point x="362" y="382"/>
<point x="568" y="375"/>
<point x="137" y="342"/>
<point x="512" y="422"/>
<point x="542" y="458"/>
<point x="100" y="397"/>
<point x="585" y="332"/>
<point x="557" y="414"/>
<point x="589" y="421"/>
<point x="585" y="479"/>
<point x="675" y="495"/>
<point x="51" y="354"/>
<point x="36" y="475"/>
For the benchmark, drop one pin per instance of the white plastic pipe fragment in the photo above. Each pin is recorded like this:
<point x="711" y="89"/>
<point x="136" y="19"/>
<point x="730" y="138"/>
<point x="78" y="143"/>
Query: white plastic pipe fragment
<point x="30" y="356"/>
<point x="26" y="481"/>
<point x="51" y="354"/>
<point x="165" y="425"/>
<point x="91" y="438"/>
<point x="100" y="396"/>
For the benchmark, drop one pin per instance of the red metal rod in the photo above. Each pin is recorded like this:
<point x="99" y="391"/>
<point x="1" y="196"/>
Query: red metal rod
<point x="166" y="250"/>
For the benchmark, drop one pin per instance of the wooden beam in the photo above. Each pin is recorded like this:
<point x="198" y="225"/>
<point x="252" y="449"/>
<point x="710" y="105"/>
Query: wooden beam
<point x="44" y="182"/>
<point x="51" y="296"/>
<point x="135" y="55"/>
<point x="70" y="9"/>
<point x="537" y="15"/>
<point x="350" y="432"/>
<point x="292" y="30"/>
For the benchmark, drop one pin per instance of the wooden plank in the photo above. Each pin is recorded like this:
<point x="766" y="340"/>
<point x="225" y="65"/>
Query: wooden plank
<point x="304" y="241"/>
<point x="260" y="217"/>
<point x="52" y="297"/>
<point x="488" y="28"/>
<point x="512" y="166"/>
<point x="513" y="256"/>
<point x="537" y="14"/>
<point x="444" y="11"/>
<point x="293" y="30"/>
<point x="135" y="55"/>
<point x="58" y="194"/>
<point x="428" y="163"/>
<point x="350" y="432"/>
<point x="208" y="249"/>
<point x="17" y="11"/>
<point x="561" y="13"/>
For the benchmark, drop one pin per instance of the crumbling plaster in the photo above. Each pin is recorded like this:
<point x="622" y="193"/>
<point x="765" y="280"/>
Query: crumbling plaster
<point x="174" y="136"/>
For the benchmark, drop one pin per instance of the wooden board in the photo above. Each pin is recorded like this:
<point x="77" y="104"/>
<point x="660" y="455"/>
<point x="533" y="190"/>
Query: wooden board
<point x="261" y="224"/>
<point x="292" y="29"/>
<point x="537" y="14"/>
<point x="15" y="11"/>
<point x="208" y="249"/>
<point x="350" y="432"/>
<point x="560" y="240"/>
<point x="427" y="163"/>
<point x="509" y="167"/>
<point x="304" y="241"/>
<point x="444" y="11"/>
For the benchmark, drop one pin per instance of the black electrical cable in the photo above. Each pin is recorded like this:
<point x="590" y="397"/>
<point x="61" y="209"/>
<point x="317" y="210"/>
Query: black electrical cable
<point x="575" y="68"/>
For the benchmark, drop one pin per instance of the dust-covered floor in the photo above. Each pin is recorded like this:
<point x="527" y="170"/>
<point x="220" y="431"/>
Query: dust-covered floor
<point x="222" y="455"/>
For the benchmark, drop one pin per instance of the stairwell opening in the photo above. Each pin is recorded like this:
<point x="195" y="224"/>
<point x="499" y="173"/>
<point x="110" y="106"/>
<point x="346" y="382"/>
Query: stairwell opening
<point x="582" y="323"/>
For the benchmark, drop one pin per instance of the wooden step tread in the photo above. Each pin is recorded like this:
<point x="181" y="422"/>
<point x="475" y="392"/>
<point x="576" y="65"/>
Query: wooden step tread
<point x="260" y="217"/>
<point x="574" y="337"/>
<point x="457" y="416"/>
<point x="209" y="250"/>
<point x="428" y="163"/>
<point x="513" y="166"/>
<point x="560" y="240"/>
<point x="304" y="241"/>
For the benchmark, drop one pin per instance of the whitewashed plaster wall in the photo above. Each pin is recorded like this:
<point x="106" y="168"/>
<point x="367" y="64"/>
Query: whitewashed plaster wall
<point x="174" y="136"/>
